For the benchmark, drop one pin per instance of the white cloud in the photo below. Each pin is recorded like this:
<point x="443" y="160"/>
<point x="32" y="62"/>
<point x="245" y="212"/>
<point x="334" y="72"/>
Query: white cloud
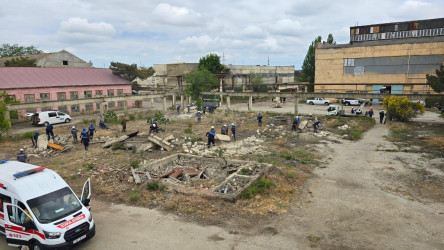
<point x="177" y="16"/>
<point x="79" y="30"/>
<point x="289" y="27"/>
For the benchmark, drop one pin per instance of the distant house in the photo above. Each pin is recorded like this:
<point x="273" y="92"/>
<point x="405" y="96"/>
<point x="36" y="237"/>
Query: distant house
<point x="30" y="84"/>
<point x="61" y="59"/>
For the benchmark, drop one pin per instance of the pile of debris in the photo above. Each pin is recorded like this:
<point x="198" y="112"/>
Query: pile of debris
<point x="211" y="177"/>
<point x="141" y="142"/>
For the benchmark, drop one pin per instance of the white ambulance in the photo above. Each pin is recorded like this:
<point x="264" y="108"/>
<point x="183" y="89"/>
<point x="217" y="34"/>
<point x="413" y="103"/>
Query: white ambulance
<point x="38" y="209"/>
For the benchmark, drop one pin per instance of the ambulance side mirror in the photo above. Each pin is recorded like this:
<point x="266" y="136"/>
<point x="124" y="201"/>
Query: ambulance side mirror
<point x="86" y="202"/>
<point x="29" y="225"/>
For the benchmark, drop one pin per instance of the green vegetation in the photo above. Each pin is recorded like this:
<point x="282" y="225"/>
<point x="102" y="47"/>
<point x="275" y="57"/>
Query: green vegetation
<point x="401" y="108"/>
<point x="194" y="139"/>
<point x="211" y="62"/>
<point x="358" y="126"/>
<point x="88" y="166"/>
<point x="21" y="62"/>
<point x="272" y="230"/>
<point x="437" y="82"/>
<point x="26" y="135"/>
<point x="188" y="131"/>
<point x="110" y="117"/>
<point x="132" y="117"/>
<point x="259" y="187"/>
<point x="199" y="81"/>
<point x="134" y="195"/>
<point x="4" y="100"/>
<point x="7" y="50"/>
<point x="135" y="163"/>
<point x="155" y="186"/>
<point x="87" y="122"/>
<point x="130" y="72"/>
<point x="159" y="118"/>
<point x="245" y="171"/>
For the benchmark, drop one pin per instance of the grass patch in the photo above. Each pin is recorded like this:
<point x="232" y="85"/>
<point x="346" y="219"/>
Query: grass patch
<point x="73" y="177"/>
<point x="26" y="135"/>
<point x="155" y="186"/>
<point x="259" y="187"/>
<point x="135" y="163"/>
<point x="314" y="239"/>
<point x="132" y="117"/>
<point x="88" y="121"/>
<point x="188" y="131"/>
<point x="352" y="134"/>
<point x="134" y="195"/>
<point x="244" y="171"/>
<point x="118" y="145"/>
<point x="271" y="230"/>
<point x="89" y="166"/>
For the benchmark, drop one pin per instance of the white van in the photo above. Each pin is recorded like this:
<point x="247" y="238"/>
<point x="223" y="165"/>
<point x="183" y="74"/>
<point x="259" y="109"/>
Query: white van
<point x="38" y="209"/>
<point x="50" y="117"/>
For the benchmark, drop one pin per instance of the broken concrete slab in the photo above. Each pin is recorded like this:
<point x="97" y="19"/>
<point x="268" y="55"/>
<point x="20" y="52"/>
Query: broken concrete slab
<point x="222" y="137"/>
<point x="110" y="143"/>
<point x="145" y="147"/>
<point x="303" y="124"/>
<point x="168" y="138"/>
<point x="158" y="141"/>
<point x="136" y="176"/>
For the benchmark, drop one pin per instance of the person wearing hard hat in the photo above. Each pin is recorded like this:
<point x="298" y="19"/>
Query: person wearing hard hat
<point x="233" y="130"/>
<point x="35" y="139"/>
<point x="224" y="130"/>
<point x="295" y="123"/>
<point x="211" y="134"/>
<point x="154" y="128"/>
<point x="22" y="157"/>
<point x="199" y="116"/>
<point x="74" y="133"/>
<point x="84" y="136"/>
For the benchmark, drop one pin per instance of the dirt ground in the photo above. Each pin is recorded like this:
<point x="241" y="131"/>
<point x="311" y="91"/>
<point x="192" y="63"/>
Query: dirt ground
<point x="330" y="193"/>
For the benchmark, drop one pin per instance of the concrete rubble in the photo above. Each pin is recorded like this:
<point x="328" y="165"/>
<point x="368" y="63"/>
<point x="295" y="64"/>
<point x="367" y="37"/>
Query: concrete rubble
<point x="206" y="176"/>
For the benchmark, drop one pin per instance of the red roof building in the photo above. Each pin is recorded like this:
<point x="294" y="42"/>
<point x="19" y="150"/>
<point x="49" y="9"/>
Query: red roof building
<point x="31" y="84"/>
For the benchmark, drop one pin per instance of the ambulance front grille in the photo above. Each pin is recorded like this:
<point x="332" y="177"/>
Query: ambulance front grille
<point x="76" y="232"/>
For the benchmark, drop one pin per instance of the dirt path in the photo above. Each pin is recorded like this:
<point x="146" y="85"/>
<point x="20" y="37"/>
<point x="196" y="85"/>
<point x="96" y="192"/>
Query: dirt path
<point x="345" y="208"/>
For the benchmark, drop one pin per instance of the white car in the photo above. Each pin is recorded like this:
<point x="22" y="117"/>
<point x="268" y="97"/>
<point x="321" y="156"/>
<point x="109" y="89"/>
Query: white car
<point x="50" y="117"/>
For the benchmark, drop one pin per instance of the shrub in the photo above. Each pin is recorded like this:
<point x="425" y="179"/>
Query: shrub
<point x="187" y="131"/>
<point x="154" y="186"/>
<point x="27" y="135"/>
<point x="135" y="164"/>
<point x="134" y="195"/>
<point x="110" y="117"/>
<point x="131" y="117"/>
<point x="259" y="187"/>
<point x="401" y="108"/>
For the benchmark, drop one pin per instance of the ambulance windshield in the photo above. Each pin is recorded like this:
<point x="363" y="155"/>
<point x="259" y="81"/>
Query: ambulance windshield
<point x="53" y="206"/>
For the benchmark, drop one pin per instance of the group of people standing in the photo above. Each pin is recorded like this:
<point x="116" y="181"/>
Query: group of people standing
<point x="223" y="131"/>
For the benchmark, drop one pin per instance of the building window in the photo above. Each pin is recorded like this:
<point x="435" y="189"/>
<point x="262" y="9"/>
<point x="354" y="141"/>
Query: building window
<point x="99" y="93"/>
<point x="110" y="92"/>
<point x="120" y="104"/>
<point x="29" y="98"/>
<point x="120" y="92"/>
<point x="88" y="107"/>
<point x="63" y="109"/>
<point x="111" y="104"/>
<point x="74" y="95"/>
<point x="61" y="96"/>
<point x="44" y="96"/>
<point x="65" y="63"/>
<point x="87" y="93"/>
<point x="75" y="108"/>
<point x="349" y="62"/>
<point x="98" y="105"/>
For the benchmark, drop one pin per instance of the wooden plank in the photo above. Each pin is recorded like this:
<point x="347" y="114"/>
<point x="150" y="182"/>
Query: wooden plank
<point x="53" y="145"/>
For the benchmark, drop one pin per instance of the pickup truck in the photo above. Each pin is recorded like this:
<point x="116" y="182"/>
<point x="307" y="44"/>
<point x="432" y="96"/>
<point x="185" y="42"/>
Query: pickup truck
<point x="321" y="101"/>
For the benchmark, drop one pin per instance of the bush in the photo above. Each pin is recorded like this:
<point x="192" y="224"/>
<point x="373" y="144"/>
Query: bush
<point x="159" y="118"/>
<point x="401" y="108"/>
<point x="154" y="186"/>
<point x="134" y="195"/>
<point x="135" y="164"/>
<point x="188" y="131"/>
<point x="259" y="187"/>
<point x="27" y="135"/>
<point x="131" y="117"/>
<point x="110" y="117"/>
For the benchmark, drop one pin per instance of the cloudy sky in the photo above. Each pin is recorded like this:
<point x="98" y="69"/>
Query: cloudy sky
<point x="150" y="32"/>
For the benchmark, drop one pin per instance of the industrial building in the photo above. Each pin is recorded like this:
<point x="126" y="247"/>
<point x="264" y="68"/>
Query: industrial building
<point x="61" y="59"/>
<point x="392" y="57"/>
<point x="172" y="75"/>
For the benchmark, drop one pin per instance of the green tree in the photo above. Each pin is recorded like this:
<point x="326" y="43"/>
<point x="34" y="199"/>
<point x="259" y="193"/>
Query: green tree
<point x="330" y="39"/>
<point x="437" y="82"/>
<point x="308" y="67"/>
<point x="256" y="81"/>
<point x="130" y="72"/>
<point x="7" y="50"/>
<point x="144" y="73"/>
<point x="21" y="62"/>
<point x="4" y="100"/>
<point x="198" y="81"/>
<point x="211" y="62"/>
<point x="401" y="108"/>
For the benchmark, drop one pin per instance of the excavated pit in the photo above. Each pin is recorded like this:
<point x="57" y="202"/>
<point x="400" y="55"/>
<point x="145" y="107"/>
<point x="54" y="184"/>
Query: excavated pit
<point x="206" y="176"/>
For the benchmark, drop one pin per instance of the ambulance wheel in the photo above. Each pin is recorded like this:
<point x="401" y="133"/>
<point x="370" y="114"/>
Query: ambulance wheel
<point x="46" y="124"/>
<point x="67" y="120"/>
<point x="36" y="246"/>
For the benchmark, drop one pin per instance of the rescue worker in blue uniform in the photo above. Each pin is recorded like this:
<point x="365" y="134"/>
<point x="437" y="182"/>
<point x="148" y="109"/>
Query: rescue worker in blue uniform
<point x="233" y="130"/>
<point x="35" y="139"/>
<point x="22" y="157"/>
<point x="84" y="136"/>
<point x="259" y="119"/>
<point x="295" y="124"/>
<point x="49" y="131"/>
<point x="316" y="124"/>
<point x="211" y="134"/>
<point x="74" y="133"/>
<point x="91" y="131"/>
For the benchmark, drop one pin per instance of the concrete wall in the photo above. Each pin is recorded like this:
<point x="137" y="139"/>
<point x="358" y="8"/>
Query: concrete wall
<point x="270" y="74"/>
<point x="330" y="66"/>
<point x="55" y="60"/>
<point x="20" y="95"/>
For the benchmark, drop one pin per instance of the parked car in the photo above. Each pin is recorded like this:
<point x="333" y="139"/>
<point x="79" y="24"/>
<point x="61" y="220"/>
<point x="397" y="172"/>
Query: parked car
<point x="318" y="100"/>
<point x="351" y="101"/>
<point x="50" y="117"/>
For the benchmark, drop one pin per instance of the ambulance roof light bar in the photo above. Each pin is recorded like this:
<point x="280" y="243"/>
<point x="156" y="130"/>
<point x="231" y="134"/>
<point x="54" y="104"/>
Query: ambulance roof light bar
<point x="28" y="172"/>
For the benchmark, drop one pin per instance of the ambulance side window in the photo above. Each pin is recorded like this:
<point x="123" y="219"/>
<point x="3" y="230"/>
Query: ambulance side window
<point x="4" y="199"/>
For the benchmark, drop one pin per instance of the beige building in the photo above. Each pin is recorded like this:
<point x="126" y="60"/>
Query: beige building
<point x="173" y="75"/>
<point x="61" y="59"/>
<point x="392" y="56"/>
